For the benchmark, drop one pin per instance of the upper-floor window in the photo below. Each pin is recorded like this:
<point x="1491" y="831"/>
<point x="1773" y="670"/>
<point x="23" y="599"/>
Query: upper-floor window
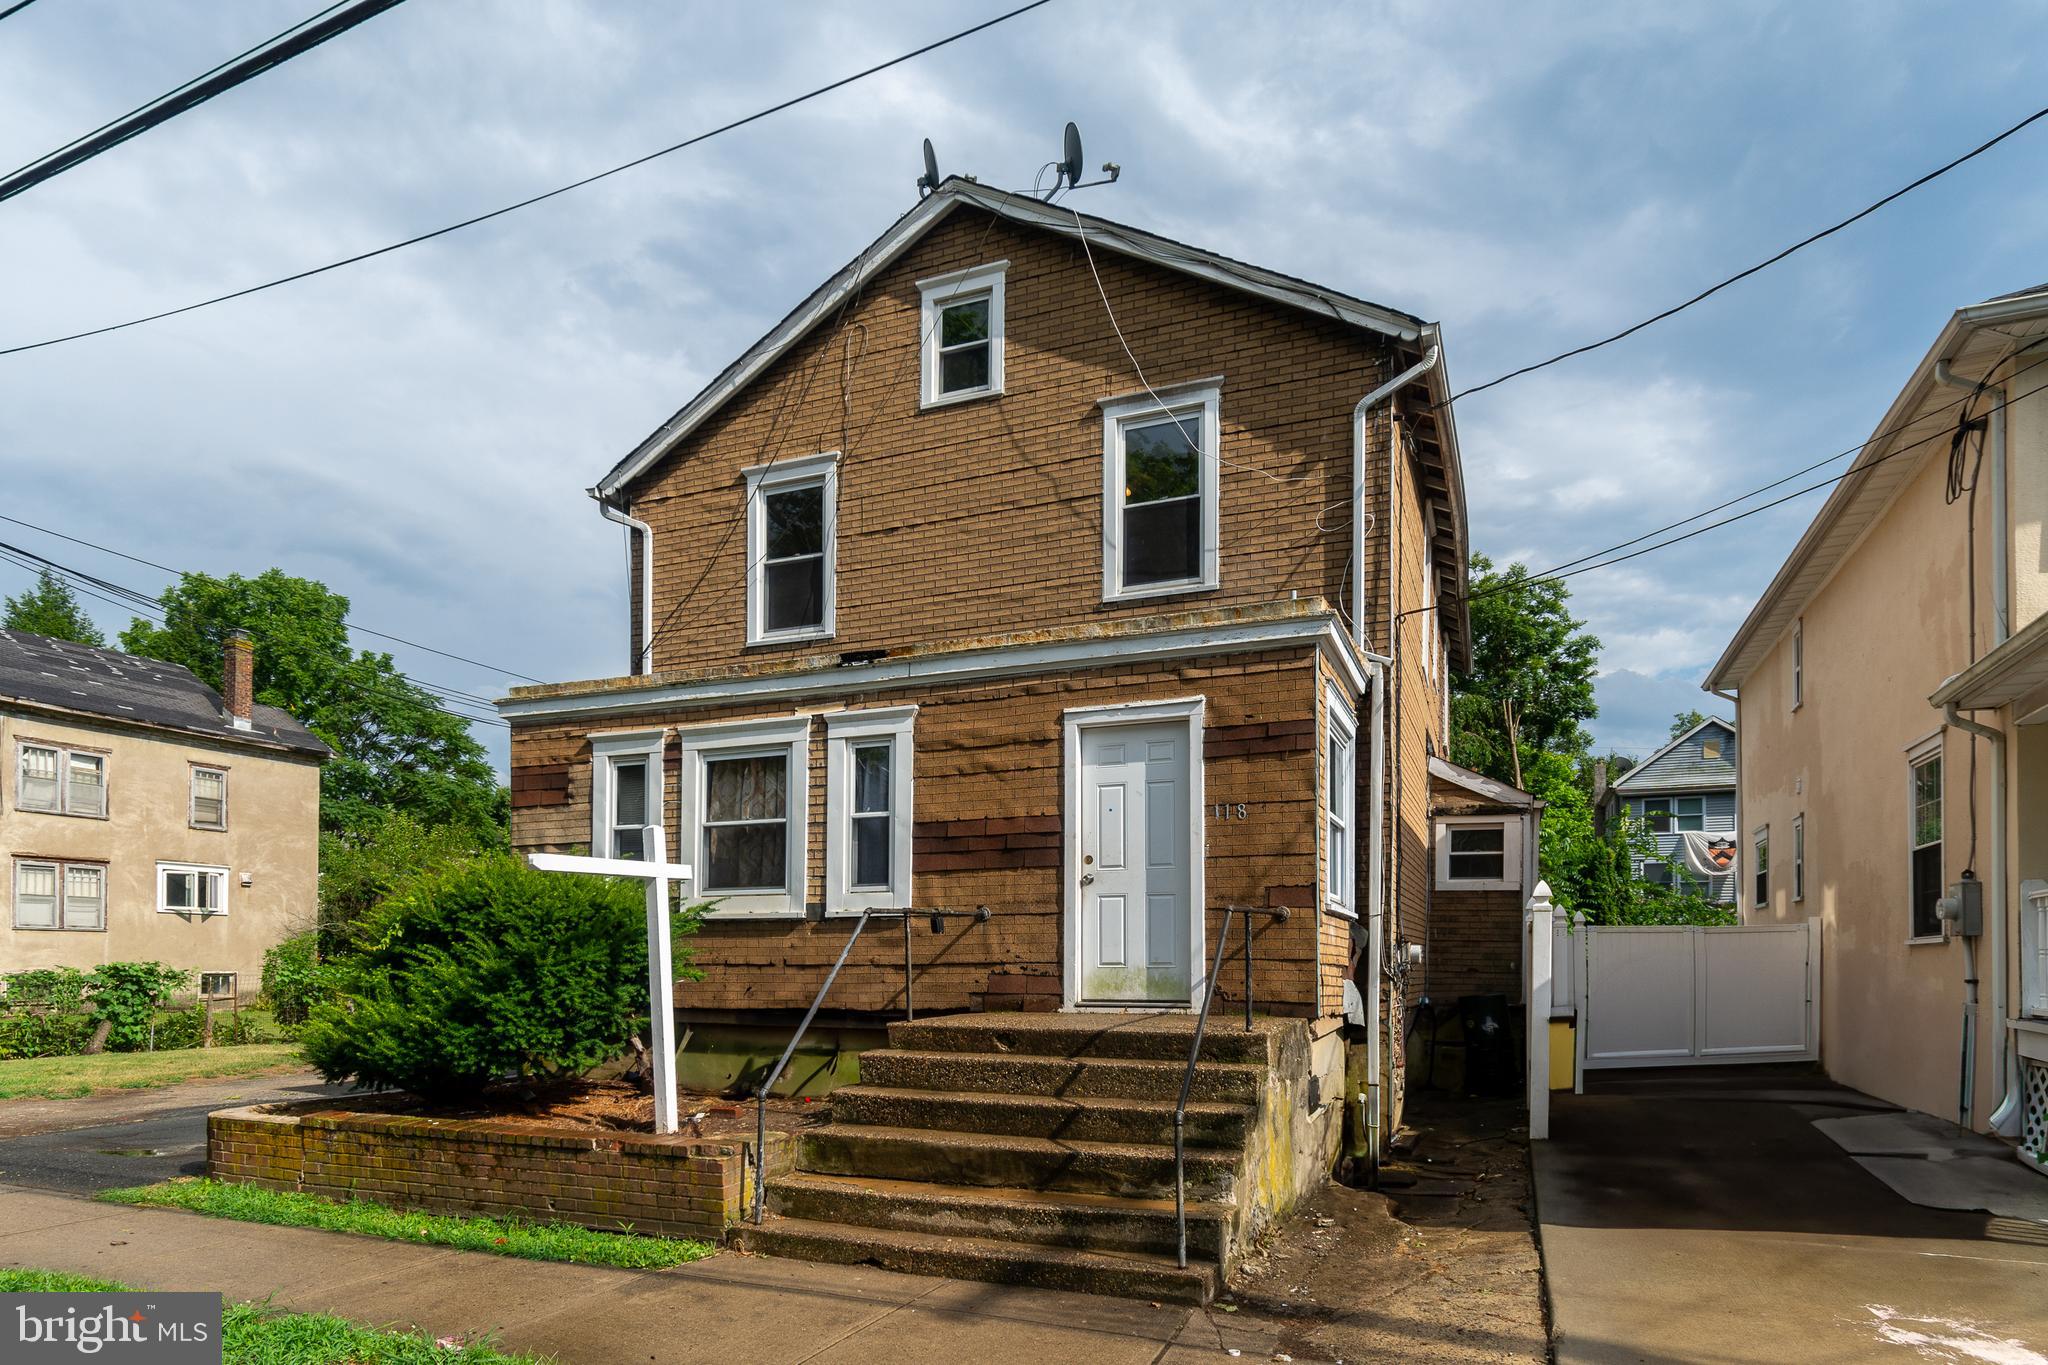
<point x="1923" y="839"/>
<point x="868" y="809"/>
<point x="1799" y="856"/>
<point x="1159" y="492"/>
<point x="745" y="796"/>
<point x="1666" y="813"/>
<point x="1760" y="843"/>
<point x="54" y="895"/>
<point x="1798" y="663"/>
<point x="792" y="526"/>
<point x="961" y="334"/>
<point x="60" y="781"/>
<point x="625" y="792"/>
<point x="190" y="889"/>
<point x="209" y="800"/>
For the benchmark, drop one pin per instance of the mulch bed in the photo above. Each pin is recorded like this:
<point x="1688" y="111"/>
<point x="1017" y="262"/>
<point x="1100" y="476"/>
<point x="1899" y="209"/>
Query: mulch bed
<point x="598" y="1106"/>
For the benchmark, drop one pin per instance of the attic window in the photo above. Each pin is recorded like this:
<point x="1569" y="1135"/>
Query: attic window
<point x="960" y="332"/>
<point x="1710" y="749"/>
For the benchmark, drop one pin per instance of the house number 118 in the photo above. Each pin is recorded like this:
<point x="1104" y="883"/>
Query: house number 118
<point x="1223" y="810"/>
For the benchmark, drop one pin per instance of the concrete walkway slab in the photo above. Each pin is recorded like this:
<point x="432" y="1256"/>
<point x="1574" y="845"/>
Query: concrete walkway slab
<point x="1940" y="1165"/>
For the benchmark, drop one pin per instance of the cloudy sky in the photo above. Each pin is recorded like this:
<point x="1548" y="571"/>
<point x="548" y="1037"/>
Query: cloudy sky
<point x="416" y="431"/>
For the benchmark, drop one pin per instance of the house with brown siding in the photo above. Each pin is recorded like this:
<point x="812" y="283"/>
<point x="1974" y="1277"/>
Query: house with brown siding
<point x="1040" y="563"/>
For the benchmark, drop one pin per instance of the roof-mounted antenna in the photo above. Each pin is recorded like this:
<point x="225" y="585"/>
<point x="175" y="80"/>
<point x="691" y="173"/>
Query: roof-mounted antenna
<point x="1071" y="169"/>
<point x="929" y="181"/>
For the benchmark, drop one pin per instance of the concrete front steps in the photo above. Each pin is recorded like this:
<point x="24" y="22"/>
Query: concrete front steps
<point x="1031" y="1149"/>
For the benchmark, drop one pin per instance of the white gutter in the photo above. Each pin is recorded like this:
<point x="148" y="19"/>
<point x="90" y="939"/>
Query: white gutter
<point x="643" y="663"/>
<point x="1376" y="917"/>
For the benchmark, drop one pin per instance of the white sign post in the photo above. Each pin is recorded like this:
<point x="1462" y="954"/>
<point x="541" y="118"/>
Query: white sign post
<point x="657" y="872"/>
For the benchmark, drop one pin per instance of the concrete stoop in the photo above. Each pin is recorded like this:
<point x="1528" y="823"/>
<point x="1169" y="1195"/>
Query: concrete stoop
<point x="1038" y="1150"/>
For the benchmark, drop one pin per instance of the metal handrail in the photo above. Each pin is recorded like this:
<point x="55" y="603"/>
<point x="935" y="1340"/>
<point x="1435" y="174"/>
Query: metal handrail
<point x="1187" y="1079"/>
<point x="980" y="915"/>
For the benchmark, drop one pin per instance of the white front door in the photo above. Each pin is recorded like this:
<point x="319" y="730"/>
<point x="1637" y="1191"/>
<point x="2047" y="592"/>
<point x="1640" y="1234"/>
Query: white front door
<point x="1134" y="865"/>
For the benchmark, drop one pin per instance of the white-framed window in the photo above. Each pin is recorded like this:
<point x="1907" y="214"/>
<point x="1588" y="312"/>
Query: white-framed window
<point x="1799" y="856"/>
<point x="1340" y="804"/>
<point x="870" y="791"/>
<point x="208" y="807"/>
<point x="1924" y="837"/>
<point x="1760" y="847"/>
<point x="191" y="889"/>
<point x="1160" y="477"/>
<point x="745" y="796"/>
<point x="218" y="985"/>
<point x="792" y="555"/>
<point x="1798" y="663"/>
<point x="625" y="791"/>
<point x="960" y="327"/>
<point x="1479" y="853"/>
<point x="60" y="781"/>
<point x="58" y="895"/>
<point x="1666" y="813"/>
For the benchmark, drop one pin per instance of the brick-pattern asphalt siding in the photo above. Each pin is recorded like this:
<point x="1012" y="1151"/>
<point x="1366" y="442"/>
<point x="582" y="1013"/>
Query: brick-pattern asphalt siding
<point x="670" y="1186"/>
<point x="1475" y="944"/>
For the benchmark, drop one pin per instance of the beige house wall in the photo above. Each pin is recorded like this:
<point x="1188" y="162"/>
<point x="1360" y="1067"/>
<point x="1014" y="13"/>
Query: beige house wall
<point x="272" y="838"/>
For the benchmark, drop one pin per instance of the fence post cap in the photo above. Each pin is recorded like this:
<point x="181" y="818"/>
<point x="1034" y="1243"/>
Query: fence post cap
<point x="1541" y="896"/>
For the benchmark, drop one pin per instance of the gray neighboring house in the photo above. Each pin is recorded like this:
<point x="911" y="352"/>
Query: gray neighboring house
<point x="1688" y="786"/>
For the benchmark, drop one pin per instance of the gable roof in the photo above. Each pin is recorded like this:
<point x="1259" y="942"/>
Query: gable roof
<point x="1974" y="343"/>
<point x="1675" y="768"/>
<point x="58" y="675"/>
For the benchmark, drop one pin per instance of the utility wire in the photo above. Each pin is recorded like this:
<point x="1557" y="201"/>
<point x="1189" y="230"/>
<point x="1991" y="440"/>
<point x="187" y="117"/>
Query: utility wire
<point x="1741" y="275"/>
<point x="537" y="198"/>
<point x="15" y="8"/>
<point x="300" y="38"/>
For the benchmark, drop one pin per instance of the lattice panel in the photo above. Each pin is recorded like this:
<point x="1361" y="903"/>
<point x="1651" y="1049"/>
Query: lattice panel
<point x="2034" y="1137"/>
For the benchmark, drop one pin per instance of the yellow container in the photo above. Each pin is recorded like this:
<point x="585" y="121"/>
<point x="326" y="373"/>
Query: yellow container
<point x="1563" y="1054"/>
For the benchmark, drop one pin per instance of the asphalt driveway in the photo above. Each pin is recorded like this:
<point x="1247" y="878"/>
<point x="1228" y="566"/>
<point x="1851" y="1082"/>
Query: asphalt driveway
<point x="1700" y="1216"/>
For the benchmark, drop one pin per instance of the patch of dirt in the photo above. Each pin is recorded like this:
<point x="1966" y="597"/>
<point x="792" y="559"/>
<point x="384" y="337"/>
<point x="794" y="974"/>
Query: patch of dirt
<point x="602" y="1106"/>
<point x="1440" y="1263"/>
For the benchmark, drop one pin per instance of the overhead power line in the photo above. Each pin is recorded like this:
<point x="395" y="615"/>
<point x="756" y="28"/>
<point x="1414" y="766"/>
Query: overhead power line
<point x="531" y="200"/>
<point x="1764" y="264"/>
<point x="15" y="8"/>
<point x="273" y="52"/>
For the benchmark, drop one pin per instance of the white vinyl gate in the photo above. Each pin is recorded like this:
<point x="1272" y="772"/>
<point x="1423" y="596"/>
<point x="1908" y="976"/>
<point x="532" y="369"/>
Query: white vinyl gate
<point x="1677" y="996"/>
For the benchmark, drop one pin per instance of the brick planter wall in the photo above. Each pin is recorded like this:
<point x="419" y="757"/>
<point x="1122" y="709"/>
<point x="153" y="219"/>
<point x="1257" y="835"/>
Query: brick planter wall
<point x="673" y="1186"/>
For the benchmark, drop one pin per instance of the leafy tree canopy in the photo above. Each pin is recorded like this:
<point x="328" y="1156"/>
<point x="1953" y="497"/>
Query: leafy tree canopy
<point x="1685" y="720"/>
<point x="1530" y="688"/>
<point x="51" y="608"/>
<point x="395" y="749"/>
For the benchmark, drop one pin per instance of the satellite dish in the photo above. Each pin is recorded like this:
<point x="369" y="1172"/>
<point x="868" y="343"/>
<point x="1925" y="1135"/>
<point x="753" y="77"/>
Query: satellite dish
<point x="1071" y="166"/>
<point x="930" y="180"/>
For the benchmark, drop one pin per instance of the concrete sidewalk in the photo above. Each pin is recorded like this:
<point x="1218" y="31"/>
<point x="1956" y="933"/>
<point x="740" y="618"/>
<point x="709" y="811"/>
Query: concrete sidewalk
<point x="1705" y="1218"/>
<point x="729" y="1308"/>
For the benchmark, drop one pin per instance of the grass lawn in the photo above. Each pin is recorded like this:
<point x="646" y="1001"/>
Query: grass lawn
<point x="499" y="1236"/>
<point x="67" y="1078"/>
<point x="253" y="1335"/>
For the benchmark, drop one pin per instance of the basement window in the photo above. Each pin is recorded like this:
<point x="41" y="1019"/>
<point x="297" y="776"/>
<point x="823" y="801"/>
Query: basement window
<point x="54" y="895"/>
<point x="792" y="525"/>
<point x="960" y="330"/>
<point x="868" y="808"/>
<point x="1159" y="491"/>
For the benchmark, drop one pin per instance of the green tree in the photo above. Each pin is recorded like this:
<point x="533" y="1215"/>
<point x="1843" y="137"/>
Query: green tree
<point x="395" y="749"/>
<point x="51" y="608"/>
<point x="1685" y="720"/>
<point x="377" y="857"/>
<point x="1530" y="688"/>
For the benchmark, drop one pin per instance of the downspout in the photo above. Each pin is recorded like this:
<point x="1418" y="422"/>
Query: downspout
<point x="1994" y="911"/>
<point x="2005" y="1109"/>
<point x="643" y="662"/>
<point x="1382" y="719"/>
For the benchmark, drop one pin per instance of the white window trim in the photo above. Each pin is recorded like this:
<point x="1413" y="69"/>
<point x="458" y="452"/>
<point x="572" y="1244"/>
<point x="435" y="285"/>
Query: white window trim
<point x="605" y="750"/>
<point x="1759" y="867"/>
<point x="728" y="739"/>
<point x="779" y="477"/>
<point x="64" y="753"/>
<point x="1340" y="892"/>
<point x="63" y="871"/>
<point x="936" y="293"/>
<point x="1510" y="850"/>
<point x="1933" y="746"/>
<point x="843" y="730"/>
<point x="1798" y="663"/>
<point x="192" y="796"/>
<point x="1799" y="858"/>
<point x="1178" y="402"/>
<point x="163" y="869"/>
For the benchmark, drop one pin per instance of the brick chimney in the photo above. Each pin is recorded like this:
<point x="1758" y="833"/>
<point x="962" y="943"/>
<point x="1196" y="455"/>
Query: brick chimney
<point x="238" y="678"/>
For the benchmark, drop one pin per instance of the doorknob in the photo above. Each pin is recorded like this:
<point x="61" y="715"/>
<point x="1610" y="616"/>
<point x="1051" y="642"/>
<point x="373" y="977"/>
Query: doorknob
<point x="1087" y="879"/>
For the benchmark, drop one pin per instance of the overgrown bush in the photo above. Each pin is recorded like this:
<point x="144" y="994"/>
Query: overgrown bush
<point x="485" y="971"/>
<point x="376" y="857"/>
<point x="292" y="979"/>
<point x="25" y="1033"/>
<point x="127" y="995"/>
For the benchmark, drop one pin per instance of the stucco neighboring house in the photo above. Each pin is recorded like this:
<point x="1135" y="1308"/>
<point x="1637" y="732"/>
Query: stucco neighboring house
<point x="1890" y="687"/>
<point x="938" y="602"/>
<point x="1686" y="788"/>
<point x="146" y="817"/>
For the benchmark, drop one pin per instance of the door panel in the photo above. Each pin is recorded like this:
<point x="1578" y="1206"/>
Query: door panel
<point x="1135" y="903"/>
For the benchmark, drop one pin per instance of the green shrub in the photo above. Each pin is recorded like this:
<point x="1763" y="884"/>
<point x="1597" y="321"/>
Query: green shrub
<point x="39" y="1034"/>
<point x="50" y="988"/>
<point x="487" y="970"/>
<point x="127" y="995"/>
<point x="376" y="856"/>
<point x="177" y="1029"/>
<point x="237" y="1030"/>
<point x="292" y="978"/>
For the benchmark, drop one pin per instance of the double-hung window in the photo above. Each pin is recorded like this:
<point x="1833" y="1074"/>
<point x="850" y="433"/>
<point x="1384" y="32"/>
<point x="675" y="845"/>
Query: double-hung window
<point x="960" y="332"/>
<point x="745" y="798"/>
<point x="625" y="792"/>
<point x="1799" y="857"/>
<point x="191" y="889"/>
<point x="1760" y="842"/>
<point x="56" y="895"/>
<point x="60" y="781"/>
<point x="1923" y="837"/>
<point x="1666" y="813"/>
<point x="1160" y="473"/>
<point x="1340" y="800"/>
<point x="868" y="808"/>
<point x="208" y="808"/>
<point x="792" y="527"/>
